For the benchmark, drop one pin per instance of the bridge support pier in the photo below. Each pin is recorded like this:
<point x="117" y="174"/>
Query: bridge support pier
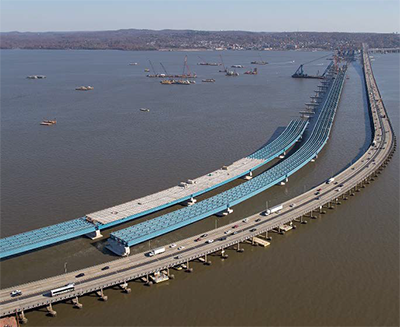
<point x="337" y="202"/>
<point x="302" y="221"/>
<point x="50" y="311"/>
<point x="170" y="276"/>
<point x="21" y="317"/>
<point x="125" y="288"/>
<point x="223" y="254"/>
<point x="101" y="295"/>
<point x="330" y="205"/>
<point x="321" y="211"/>
<point x="188" y="269"/>
<point x="240" y="250"/>
<point x="76" y="303"/>
<point x="206" y="262"/>
<point x="311" y="215"/>
<point x="95" y="235"/>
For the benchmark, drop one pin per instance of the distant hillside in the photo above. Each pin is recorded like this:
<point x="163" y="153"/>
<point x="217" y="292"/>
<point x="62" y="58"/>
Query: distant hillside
<point x="134" y="39"/>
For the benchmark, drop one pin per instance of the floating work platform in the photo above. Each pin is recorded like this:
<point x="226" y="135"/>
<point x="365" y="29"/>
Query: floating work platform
<point x="187" y="190"/>
<point x="260" y="241"/>
<point x="125" y="238"/>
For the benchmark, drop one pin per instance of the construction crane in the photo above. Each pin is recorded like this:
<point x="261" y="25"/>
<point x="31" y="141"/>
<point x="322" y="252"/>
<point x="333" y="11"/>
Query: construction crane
<point x="223" y="65"/>
<point x="300" y="72"/>
<point x="152" y="67"/>
<point x="166" y="74"/>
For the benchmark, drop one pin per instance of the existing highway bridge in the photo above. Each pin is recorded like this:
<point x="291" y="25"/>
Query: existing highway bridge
<point x="121" y="271"/>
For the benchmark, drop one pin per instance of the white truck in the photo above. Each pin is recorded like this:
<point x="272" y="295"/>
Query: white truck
<point x="156" y="251"/>
<point x="273" y="209"/>
<point x="330" y="180"/>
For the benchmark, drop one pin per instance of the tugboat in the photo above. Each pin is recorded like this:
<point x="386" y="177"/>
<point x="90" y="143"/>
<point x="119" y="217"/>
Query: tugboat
<point x="84" y="88"/>
<point x="48" y="122"/>
<point x="208" y="80"/>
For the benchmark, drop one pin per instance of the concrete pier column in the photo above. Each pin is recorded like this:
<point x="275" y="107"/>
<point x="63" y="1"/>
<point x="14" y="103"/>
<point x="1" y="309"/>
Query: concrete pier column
<point x="239" y="249"/>
<point x="21" y="317"/>
<point x="170" y="276"/>
<point x="206" y="262"/>
<point x="125" y="288"/>
<point x="188" y="269"/>
<point x="76" y="303"/>
<point x="223" y="254"/>
<point x="50" y="311"/>
<point x="101" y="295"/>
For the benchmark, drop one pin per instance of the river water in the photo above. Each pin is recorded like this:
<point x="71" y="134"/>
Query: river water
<point x="341" y="269"/>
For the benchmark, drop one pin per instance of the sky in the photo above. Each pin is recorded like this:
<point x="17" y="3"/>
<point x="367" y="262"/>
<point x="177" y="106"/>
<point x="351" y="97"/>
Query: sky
<point x="380" y="16"/>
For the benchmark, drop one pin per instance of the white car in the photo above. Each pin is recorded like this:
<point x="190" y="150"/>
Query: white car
<point x="245" y="220"/>
<point x="292" y="205"/>
<point x="172" y="245"/>
<point x="181" y="248"/>
<point x="228" y="231"/>
<point x="16" y="293"/>
<point x="210" y="241"/>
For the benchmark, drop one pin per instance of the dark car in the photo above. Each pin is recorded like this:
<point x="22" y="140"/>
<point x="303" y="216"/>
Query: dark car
<point x="316" y="193"/>
<point x="105" y="268"/>
<point x="253" y="229"/>
<point x="223" y="238"/>
<point x="197" y="239"/>
<point x="257" y="220"/>
<point x="236" y="226"/>
<point x="80" y="275"/>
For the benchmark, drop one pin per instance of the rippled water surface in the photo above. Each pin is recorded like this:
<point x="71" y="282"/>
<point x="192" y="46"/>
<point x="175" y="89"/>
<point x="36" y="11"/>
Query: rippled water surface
<point x="342" y="269"/>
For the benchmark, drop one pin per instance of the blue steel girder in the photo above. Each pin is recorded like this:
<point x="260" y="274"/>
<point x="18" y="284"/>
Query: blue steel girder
<point x="177" y="219"/>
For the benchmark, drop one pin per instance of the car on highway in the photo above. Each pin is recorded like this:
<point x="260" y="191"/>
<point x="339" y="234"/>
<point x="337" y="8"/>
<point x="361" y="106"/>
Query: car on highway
<point x="204" y="235"/>
<point x="172" y="245"/>
<point x="235" y="226"/>
<point x="105" y="268"/>
<point x="319" y="190"/>
<point x="341" y="185"/>
<point x="316" y="193"/>
<point x="16" y="293"/>
<point x="228" y="231"/>
<point x="253" y="229"/>
<point x="80" y="275"/>
<point x="210" y="241"/>
<point x="317" y="198"/>
<point x="222" y="238"/>
<point x="245" y="220"/>
<point x="258" y="219"/>
<point x="197" y="239"/>
<point x="178" y="257"/>
<point x="292" y="205"/>
<point x="181" y="248"/>
<point x="235" y="232"/>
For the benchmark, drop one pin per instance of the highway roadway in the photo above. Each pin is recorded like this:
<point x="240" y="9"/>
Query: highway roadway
<point x="36" y="294"/>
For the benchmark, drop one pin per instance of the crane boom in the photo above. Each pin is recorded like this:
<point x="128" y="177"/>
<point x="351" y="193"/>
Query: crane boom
<point x="163" y="68"/>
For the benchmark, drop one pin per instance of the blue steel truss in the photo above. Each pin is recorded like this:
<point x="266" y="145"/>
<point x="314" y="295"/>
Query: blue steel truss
<point x="309" y="150"/>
